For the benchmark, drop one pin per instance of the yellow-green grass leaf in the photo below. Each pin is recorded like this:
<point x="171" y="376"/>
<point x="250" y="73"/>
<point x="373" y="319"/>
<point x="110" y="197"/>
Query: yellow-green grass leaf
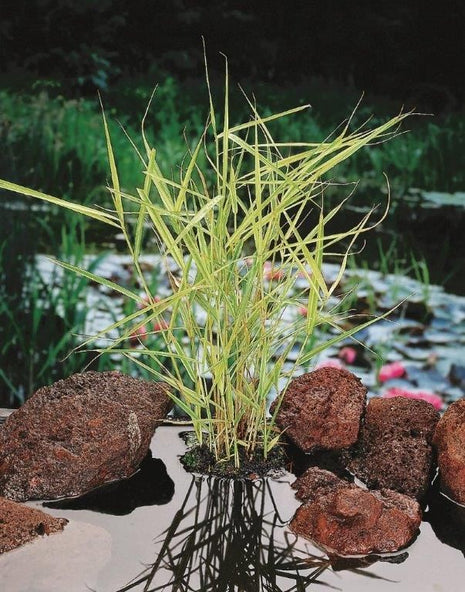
<point x="94" y="213"/>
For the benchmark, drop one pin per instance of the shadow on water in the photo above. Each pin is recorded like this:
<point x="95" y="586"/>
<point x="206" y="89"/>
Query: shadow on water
<point x="447" y="518"/>
<point x="228" y="535"/>
<point x="150" y="486"/>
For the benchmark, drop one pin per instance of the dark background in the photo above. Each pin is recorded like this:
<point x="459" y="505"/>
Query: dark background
<point x="412" y="51"/>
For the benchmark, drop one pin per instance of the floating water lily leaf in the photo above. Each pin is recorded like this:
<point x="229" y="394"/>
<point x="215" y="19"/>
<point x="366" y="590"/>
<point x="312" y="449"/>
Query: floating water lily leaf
<point x="437" y="199"/>
<point x="412" y="353"/>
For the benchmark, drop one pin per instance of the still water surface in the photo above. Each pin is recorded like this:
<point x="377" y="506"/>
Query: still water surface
<point x="168" y="530"/>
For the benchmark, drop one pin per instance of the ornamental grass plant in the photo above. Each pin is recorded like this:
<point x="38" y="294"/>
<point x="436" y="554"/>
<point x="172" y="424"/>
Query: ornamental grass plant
<point x="241" y="258"/>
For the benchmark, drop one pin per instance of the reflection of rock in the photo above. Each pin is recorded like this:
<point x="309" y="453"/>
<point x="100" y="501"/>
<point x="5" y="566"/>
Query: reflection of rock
<point x="449" y="439"/>
<point x="331" y="460"/>
<point x="21" y="524"/>
<point x="322" y="409"/>
<point x="70" y="562"/>
<point x="339" y="563"/>
<point x="394" y="450"/>
<point x="447" y="519"/>
<point x="347" y="520"/>
<point x="150" y="486"/>
<point x="78" y="434"/>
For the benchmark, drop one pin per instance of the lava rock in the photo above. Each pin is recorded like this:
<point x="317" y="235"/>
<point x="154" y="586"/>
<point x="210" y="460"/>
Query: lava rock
<point x="321" y="410"/>
<point x="395" y="447"/>
<point x="21" y="524"/>
<point x="449" y="439"/>
<point x="79" y="433"/>
<point x="344" y="519"/>
<point x="315" y="482"/>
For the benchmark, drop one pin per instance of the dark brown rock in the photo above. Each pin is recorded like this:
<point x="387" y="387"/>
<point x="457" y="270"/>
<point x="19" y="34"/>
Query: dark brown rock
<point x="21" y="524"/>
<point x="395" y="446"/>
<point x="449" y="439"/>
<point x="78" y="434"/>
<point x="344" y="519"/>
<point x="315" y="482"/>
<point x="321" y="410"/>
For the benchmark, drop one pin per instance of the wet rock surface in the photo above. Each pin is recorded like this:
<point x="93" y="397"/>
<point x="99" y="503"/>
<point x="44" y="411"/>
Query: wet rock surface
<point x="449" y="439"/>
<point x="321" y="410"/>
<point x="395" y="446"/>
<point x="21" y="524"/>
<point x="347" y="520"/>
<point x="78" y="434"/>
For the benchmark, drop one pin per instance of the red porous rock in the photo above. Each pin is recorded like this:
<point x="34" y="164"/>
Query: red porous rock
<point x="449" y="439"/>
<point x="344" y="519"/>
<point x="79" y="433"/>
<point x="321" y="410"/>
<point x="20" y="524"/>
<point x="395" y="447"/>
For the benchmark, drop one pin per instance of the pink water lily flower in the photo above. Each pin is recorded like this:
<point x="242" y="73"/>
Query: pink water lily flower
<point x="138" y="335"/>
<point x="146" y="301"/>
<point x="389" y="371"/>
<point x="348" y="354"/>
<point x="432" y="398"/>
<point x="330" y="363"/>
<point x="271" y="273"/>
<point x="160" y="326"/>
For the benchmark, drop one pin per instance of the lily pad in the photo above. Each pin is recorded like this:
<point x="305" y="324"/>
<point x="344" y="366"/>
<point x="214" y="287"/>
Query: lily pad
<point x="439" y="199"/>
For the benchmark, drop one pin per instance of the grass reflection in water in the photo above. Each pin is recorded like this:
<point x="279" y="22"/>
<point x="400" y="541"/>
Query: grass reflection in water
<point x="229" y="536"/>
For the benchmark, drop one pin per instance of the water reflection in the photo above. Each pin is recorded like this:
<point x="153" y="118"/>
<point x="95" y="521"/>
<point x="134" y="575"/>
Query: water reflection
<point x="229" y="536"/>
<point x="150" y="485"/>
<point x="447" y="518"/>
<point x="356" y="564"/>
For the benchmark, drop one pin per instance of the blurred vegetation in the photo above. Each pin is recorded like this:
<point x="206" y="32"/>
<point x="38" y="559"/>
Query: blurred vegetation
<point x="411" y="50"/>
<point x="40" y="317"/>
<point x="45" y="310"/>
<point x="57" y="145"/>
<point x="325" y="54"/>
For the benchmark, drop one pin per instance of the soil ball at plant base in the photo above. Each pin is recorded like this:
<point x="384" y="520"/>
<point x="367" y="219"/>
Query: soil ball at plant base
<point x="321" y="410"/>
<point x="21" y="524"/>
<point x="395" y="449"/>
<point x="449" y="439"/>
<point x="344" y="519"/>
<point x="79" y="433"/>
<point x="200" y="459"/>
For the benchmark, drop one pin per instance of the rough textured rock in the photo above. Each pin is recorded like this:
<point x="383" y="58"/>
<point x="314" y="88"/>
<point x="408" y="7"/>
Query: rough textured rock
<point x="347" y="520"/>
<point x="321" y="410"/>
<point x="21" y="524"/>
<point x="449" y="439"/>
<point x="78" y="434"/>
<point x="395" y="446"/>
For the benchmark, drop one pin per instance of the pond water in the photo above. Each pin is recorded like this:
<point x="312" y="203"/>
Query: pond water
<point x="180" y="532"/>
<point x="425" y="333"/>
<point x="428" y="225"/>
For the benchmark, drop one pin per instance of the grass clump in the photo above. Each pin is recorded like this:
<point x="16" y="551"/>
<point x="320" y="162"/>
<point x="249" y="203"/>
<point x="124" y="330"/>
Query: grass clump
<point x="231" y="310"/>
